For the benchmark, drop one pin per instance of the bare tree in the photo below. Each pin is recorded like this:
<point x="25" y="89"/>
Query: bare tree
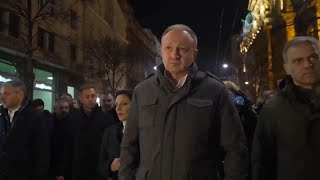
<point x="31" y="15"/>
<point x="111" y="60"/>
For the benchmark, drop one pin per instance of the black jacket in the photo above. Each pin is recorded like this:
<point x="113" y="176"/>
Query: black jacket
<point x="82" y="144"/>
<point x="286" y="145"/>
<point x="181" y="134"/>
<point x="110" y="149"/>
<point x="59" y="137"/>
<point x="24" y="145"/>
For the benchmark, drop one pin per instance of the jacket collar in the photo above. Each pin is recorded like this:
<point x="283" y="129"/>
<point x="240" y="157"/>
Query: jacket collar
<point x="295" y="93"/>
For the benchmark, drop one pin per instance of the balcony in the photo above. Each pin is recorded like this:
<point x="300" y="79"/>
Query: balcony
<point x="12" y="43"/>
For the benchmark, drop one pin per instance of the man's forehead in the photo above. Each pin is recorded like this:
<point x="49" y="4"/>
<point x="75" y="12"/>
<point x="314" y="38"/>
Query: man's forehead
<point x="6" y="87"/>
<point x="303" y="45"/>
<point x="89" y="91"/>
<point x="64" y="102"/>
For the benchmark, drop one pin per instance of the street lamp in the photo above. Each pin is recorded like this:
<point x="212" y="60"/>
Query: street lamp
<point x="155" y="67"/>
<point x="246" y="83"/>
<point x="225" y="65"/>
<point x="230" y="68"/>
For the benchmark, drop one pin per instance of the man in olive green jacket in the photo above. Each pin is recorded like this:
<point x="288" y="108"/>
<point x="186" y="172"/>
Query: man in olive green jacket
<point x="183" y="122"/>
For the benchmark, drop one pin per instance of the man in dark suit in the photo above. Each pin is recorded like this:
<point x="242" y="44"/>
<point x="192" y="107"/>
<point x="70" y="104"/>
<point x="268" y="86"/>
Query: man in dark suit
<point x="182" y="122"/>
<point x="24" y="144"/>
<point x="84" y="133"/>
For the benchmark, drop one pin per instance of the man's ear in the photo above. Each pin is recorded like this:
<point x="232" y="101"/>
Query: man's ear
<point x="80" y="98"/>
<point x="286" y="68"/>
<point x="195" y="55"/>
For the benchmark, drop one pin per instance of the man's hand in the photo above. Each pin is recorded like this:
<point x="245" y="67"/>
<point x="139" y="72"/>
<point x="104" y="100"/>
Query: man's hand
<point x="115" y="165"/>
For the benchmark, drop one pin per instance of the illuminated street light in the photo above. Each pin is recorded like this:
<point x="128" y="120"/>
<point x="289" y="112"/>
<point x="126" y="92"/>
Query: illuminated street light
<point x="246" y="83"/>
<point x="155" y="67"/>
<point x="225" y="65"/>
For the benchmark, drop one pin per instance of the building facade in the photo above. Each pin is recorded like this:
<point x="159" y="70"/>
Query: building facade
<point x="266" y="29"/>
<point x="60" y="33"/>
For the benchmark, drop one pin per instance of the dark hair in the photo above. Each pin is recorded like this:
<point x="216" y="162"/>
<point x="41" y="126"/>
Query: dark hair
<point x="86" y="86"/>
<point x="124" y="92"/>
<point x="66" y="94"/>
<point x="182" y="27"/>
<point x="60" y="100"/>
<point x="37" y="103"/>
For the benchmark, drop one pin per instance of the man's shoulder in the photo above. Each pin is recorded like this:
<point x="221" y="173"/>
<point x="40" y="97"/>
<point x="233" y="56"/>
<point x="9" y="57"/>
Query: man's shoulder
<point x="277" y="104"/>
<point x="210" y="80"/>
<point x="30" y="111"/>
<point x="147" y="81"/>
<point x="214" y="78"/>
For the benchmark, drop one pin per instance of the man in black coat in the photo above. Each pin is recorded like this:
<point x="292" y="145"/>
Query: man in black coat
<point x="182" y="121"/>
<point x="61" y="118"/>
<point x="286" y="143"/>
<point x="84" y="134"/>
<point x="24" y="138"/>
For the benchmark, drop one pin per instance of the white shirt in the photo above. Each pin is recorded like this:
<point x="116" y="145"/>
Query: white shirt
<point x="124" y="125"/>
<point x="180" y="83"/>
<point x="12" y="112"/>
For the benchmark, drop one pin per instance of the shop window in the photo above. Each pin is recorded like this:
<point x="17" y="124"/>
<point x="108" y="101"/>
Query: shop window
<point x="8" y="68"/>
<point x="71" y="90"/>
<point x="44" y="87"/>
<point x="46" y="96"/>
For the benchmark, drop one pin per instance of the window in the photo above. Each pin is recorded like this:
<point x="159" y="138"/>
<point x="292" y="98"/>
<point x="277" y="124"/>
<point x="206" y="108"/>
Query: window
<point x="2" y="20"/>
<point x="74" y="20"/>
<point x="73" y="53"/>
<point x="51" y="42"/>
<point x="282" y="5"/>
<point x="14" y="25"/>
<point x="42" y="2"/>
<point x="41" y="36"/>
<point x="47" y="5"/>
<point x="46" y="40"/>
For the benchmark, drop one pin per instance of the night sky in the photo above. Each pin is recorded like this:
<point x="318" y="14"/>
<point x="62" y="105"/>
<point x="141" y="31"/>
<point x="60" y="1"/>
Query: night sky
<point x="203" y="17"/>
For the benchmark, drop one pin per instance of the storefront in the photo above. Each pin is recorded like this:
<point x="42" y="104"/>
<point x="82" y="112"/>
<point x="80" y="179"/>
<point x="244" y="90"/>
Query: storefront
<point x="44" y="82"/>
<point x="44" y="87"/>
<point x="7" y="71"/>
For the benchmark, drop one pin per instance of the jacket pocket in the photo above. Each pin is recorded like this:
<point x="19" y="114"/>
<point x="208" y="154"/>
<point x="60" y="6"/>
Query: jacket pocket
<point x="142" y="173"/>
<point x="147" y="112"/>
<point x="199" y="102"/>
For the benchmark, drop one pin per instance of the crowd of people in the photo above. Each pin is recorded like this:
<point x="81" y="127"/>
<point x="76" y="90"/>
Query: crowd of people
<point x="179" y="123"/>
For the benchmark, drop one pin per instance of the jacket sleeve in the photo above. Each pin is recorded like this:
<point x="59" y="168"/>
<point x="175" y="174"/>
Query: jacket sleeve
<point x="40" y="148"/>
<point x="232" y="139"/>
<point x="65" y="157"/>
<point x="263" y="147"/>
<point x="105" y="162"/>
<point x="130" y="153"/>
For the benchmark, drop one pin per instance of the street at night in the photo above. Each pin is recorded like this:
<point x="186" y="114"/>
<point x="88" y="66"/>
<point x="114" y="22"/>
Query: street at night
<point x="159" y="90"/>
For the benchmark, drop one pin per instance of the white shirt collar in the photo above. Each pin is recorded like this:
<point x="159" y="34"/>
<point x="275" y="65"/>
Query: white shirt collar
<point x="180" y="83"/>
<point x="124" y="126"/>
<point x="12" y="112"/>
